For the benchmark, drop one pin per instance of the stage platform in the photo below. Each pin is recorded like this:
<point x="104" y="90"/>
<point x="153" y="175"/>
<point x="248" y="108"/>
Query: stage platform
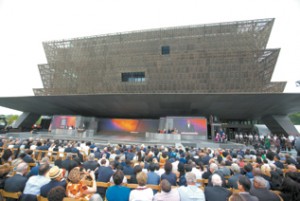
<point x="129" y="139"/>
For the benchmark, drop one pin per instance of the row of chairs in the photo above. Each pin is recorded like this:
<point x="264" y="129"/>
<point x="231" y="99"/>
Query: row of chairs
<point x="17" y="195"/>
<point x="37" y="155"/>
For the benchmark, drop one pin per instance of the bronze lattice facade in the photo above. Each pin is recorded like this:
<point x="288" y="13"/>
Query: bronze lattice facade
<point x="213" y="58"/>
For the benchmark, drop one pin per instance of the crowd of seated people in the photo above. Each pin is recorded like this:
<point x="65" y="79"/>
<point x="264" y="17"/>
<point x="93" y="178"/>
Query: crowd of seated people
<point x="180" y="173"/>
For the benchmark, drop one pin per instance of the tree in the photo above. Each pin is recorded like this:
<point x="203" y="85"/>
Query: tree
<point x="295" y="118"/>
<point x="11" y="118"/>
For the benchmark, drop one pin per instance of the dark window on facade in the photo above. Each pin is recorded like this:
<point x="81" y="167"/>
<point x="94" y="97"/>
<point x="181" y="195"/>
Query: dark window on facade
<point x="133" y="77"/>
<point x="165" y="50"/>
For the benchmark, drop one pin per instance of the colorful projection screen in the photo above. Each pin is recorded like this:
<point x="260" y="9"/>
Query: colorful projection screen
<point x="188" y="125"/>
<point x="184" y="125"/>
<point x="63" y="122"/>
<point x="128" y="125"/>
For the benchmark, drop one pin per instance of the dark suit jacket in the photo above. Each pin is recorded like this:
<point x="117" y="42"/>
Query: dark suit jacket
<point x="15" y="184"/>
<point x="132" y="180"/>
<point x="128" y="170"/>
<point x="248" y="197"/>
<point x="264" y="194"/>
<point x="216" y="193"/>
<point x="33" y="171"/>
<point x="104" y="174"/>
<point x="58" y="163"/>
<point x="53" y="183"/>
<point x="92" y="165"/>
<point x="68" y="164"/>
<point x="232" y="181"/>
<point x="279" y="164"/>
<point x="206" y="174"/>
<point x="28" y="159"/>
<point x="205" y="159"/>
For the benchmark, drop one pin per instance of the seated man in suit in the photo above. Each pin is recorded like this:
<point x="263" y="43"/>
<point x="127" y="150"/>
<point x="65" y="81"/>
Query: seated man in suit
<point x="244" y="185"/>
<point x="232" y="181"/>
<point x="260" y="190"/>
<point x="68" y="163"/>
<point x="104" y="174"/>
<point x="56" y="176"/>
<point x="216" y="191"/>
<point x="18" y="181"/>
<point x="91" y="164"/>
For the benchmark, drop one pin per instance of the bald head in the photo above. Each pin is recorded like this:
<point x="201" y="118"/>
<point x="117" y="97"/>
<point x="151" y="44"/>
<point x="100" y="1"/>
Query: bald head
<point x="291" y="168"/>
<point x="22" y="168"/>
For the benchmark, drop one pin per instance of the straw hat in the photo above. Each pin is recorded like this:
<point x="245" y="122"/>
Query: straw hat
<point x="54" y="172"/>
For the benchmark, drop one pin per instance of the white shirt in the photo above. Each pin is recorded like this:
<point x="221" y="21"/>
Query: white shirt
<point x="34" y="184"/>
<point x="197" y="172"/>
<point x="173" y="195"/>
<point x="61" y="151"/>
<point x="33" y="147"/>
<point x="191" y="193"/>
<point x="160" y="172"/>
<point x="141" y="193"/>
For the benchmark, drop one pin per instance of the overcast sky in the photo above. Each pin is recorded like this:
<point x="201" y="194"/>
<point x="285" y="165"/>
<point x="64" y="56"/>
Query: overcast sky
<point x="25" y="24"/>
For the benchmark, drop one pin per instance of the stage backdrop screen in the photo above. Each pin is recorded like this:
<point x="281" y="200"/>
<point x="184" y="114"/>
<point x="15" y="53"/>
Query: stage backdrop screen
<point x="188" y="125"/>
<point x="128" y="125"/>
<point x="63" y="122"/>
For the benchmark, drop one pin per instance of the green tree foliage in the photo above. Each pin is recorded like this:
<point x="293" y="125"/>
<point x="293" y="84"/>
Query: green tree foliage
<point x="11" y="118"/>
<point x="295" y="118"/>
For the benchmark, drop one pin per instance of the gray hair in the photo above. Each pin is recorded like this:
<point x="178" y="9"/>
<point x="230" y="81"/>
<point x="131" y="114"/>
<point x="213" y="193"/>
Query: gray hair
<point x="213" y="167"/>
<point x="260" y="181"/>
<point x="216" y="180"/>
<point x="45" y="160"/>
<point x="190" y="177"/>
<point x="235" y="168"/>
<point x="91" y="157"/>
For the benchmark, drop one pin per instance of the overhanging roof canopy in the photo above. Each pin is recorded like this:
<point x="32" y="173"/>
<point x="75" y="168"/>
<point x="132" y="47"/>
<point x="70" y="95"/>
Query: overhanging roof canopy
<point x="225" y="106"/>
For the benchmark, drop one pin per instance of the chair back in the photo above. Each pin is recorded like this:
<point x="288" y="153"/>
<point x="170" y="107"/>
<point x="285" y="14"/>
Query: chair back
<point x="41" y="198"/>
<point x="132" y="186"/>
<point x="6" y="194"/>
<point x="74" y="199"/>
<point x="103" y="184"/>
<point x="154" y="187"/>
